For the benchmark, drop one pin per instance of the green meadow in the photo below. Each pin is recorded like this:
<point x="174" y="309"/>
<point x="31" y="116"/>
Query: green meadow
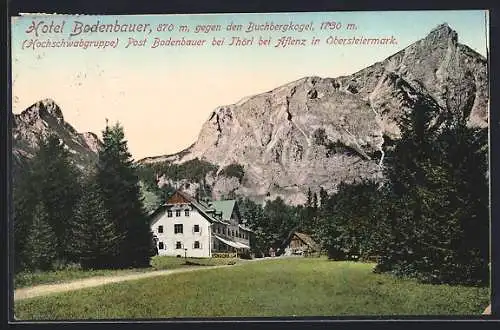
<point x="276" y="287"/>
<point x="27" y="279"/>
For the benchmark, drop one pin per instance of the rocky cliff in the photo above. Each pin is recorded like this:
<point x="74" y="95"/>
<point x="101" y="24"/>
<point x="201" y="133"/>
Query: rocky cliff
<point x="46" y="117"/>
<point x="317" y="132"/>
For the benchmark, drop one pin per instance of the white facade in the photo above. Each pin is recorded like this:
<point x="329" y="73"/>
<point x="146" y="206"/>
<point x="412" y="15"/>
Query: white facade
<point x="195" y="236"/>
<point x="184" y="226"/>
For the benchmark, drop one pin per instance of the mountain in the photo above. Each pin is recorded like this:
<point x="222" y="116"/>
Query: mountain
<point x="45" y="117"/>
<point x="316" y="132"/>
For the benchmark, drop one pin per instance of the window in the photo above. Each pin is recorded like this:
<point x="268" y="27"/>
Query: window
<point x="218" y="230"/>
<point x="213" y="229"/>
<point x="169" y="213"/>
<point x="178" y="229"/>
<point x="160" y="229"/>
<point x="178" y="213"/>
<point x="186" y="213"/>
<point x="196" y="244"/>
<point x="196" y="228"/>
<point x="160" y="246"/>
<point x="178" y="245"/>
<point x="224" y="231"/>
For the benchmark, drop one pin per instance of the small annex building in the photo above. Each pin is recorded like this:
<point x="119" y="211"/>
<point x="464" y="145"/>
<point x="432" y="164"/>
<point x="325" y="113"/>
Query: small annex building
<point x="299" y="244"/>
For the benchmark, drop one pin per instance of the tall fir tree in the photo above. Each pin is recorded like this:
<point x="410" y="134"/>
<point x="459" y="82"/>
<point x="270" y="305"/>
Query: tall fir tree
<point x="95" y="240"/>
<point x="254" y="216"/>
<point x="323" y="196"/>
<point x="414" y="173"/>
<point x="465" y="152"/>
<point x="40" y="249"/>
<point x="119" y="183"/>
<point x="24" y="201"/>
<point x="436" y="228"/>
<point x="55" y="183"/>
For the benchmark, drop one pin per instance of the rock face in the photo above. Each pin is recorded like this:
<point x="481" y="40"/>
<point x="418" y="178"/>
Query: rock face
<point x="317" y="132"/>
<point x="46" y="117"/>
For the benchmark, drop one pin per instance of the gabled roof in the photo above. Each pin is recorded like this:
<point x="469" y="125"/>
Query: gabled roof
<point x="180" y="197"/>
<point x="306" y="239"/>
<point x="226" y="207"/>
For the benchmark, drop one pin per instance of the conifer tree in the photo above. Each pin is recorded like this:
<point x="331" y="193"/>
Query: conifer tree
<point x="40" y="249"/>
<point x="437" y="223"/>
<point x="323" y="196"/>
<point x="415" y="177"/>
<point x="23" y="202"/>
<point x="119" y="183"/>
<point x="54" y="181"/>
<point x="94" y="236"/>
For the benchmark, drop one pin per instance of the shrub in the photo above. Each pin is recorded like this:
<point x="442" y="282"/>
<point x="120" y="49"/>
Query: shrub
<point x="234" y="170"/>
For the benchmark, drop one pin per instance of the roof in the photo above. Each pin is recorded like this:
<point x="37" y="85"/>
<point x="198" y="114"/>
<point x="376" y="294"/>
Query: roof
<point x="234" y="244"/>
<point x="306" y="239"/>
<point x="245" y="228"/>
<point x="182" y="197"/>
<point x="226" y="207"/>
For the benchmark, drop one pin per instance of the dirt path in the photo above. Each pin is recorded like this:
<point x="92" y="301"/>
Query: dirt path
<point x="45" y="289"/>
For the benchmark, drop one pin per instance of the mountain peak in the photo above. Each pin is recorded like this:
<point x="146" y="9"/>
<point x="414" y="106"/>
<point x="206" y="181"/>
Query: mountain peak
<point x="45" y="117"/>
<point x="443" y="32"/>
<point x="45" y="106"/>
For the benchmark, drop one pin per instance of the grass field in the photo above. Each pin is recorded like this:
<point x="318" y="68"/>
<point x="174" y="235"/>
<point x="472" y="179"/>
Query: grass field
<point x="26" y="279"/>
<point x="280" y="287"/>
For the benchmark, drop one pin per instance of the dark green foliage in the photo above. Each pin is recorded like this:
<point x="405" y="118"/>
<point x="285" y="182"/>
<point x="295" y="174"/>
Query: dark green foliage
<point x="55" y="180"/>
<point x="332" y="147"/>
<point x="347" y="222"/>
<point x="147" y="175"/>
<point x="234" y="170"/>
<point x="23" y="202"/>
<point x="95" y="240"/>
<point x="193" y="170"/>
<point x="40" y="250"/>
<point x="253" y="214"/>
<point x="308" y="213"/>
<point x="151" y="199"/>
<point x="437" y="223"/>
<point x="49" y="179"/>
<point x="272" y="224"/>
<point x="281" y="220"/>
<point x="323" y="196"/>
<point x="119" y="183"/>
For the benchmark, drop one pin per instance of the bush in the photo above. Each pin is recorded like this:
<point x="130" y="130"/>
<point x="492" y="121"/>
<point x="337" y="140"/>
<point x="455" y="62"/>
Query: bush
<point x="234" y="170"/>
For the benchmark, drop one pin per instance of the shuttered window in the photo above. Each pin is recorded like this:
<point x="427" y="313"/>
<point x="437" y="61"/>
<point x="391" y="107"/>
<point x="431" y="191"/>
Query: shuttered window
<point x="178" y="229"/>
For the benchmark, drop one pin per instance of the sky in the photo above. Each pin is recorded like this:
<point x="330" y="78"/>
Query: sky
<point x="162" y="96"/>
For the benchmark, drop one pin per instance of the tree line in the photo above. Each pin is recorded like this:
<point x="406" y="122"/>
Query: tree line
<point x="428" y="219"/>
<point x="94" y="217"/>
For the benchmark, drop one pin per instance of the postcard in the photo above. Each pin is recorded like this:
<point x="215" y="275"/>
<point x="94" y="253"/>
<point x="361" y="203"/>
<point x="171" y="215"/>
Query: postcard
<point x="205" y="166"/>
